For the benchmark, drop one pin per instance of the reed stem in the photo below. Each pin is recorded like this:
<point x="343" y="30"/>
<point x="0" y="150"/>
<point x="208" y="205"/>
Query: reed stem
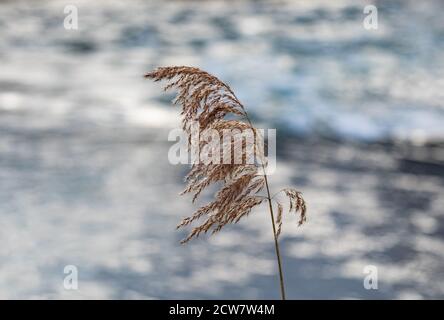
<point x="276" y="243"/>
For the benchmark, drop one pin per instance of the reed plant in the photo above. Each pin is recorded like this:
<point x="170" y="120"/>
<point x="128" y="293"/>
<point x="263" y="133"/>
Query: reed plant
<point x="212" y="104"/>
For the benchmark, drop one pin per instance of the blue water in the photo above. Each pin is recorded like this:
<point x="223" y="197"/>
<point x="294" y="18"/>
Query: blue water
<point x="84" y="176"/>
<point x="310" y="67"/>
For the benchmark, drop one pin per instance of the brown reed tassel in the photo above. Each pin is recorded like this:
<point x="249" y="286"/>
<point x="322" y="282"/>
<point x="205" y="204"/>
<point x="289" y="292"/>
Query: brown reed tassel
<point x="207" y="101"/>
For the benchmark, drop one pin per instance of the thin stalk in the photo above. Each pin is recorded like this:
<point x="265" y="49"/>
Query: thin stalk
<point x="276" y="243"/>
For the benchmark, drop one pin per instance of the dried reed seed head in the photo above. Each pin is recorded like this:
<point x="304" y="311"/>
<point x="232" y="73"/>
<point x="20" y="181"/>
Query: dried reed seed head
<point x="207" y="101"/>
<point x="297" y="203"/>
<point x="198" y="91"/>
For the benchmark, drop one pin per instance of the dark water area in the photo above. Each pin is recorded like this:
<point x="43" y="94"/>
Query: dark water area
<point x="84" y="172"/>
<point x="107" y="201"/>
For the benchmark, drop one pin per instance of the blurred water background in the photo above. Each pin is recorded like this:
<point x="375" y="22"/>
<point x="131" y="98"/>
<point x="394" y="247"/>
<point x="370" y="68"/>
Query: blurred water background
<point x="84" y="174"/>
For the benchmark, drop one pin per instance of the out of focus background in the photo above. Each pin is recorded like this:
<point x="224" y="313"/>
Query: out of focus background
<point x="84" y="174"/>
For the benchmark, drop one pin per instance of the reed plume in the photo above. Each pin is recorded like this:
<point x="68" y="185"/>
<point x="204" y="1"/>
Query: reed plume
<point x="207" y="101"/>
